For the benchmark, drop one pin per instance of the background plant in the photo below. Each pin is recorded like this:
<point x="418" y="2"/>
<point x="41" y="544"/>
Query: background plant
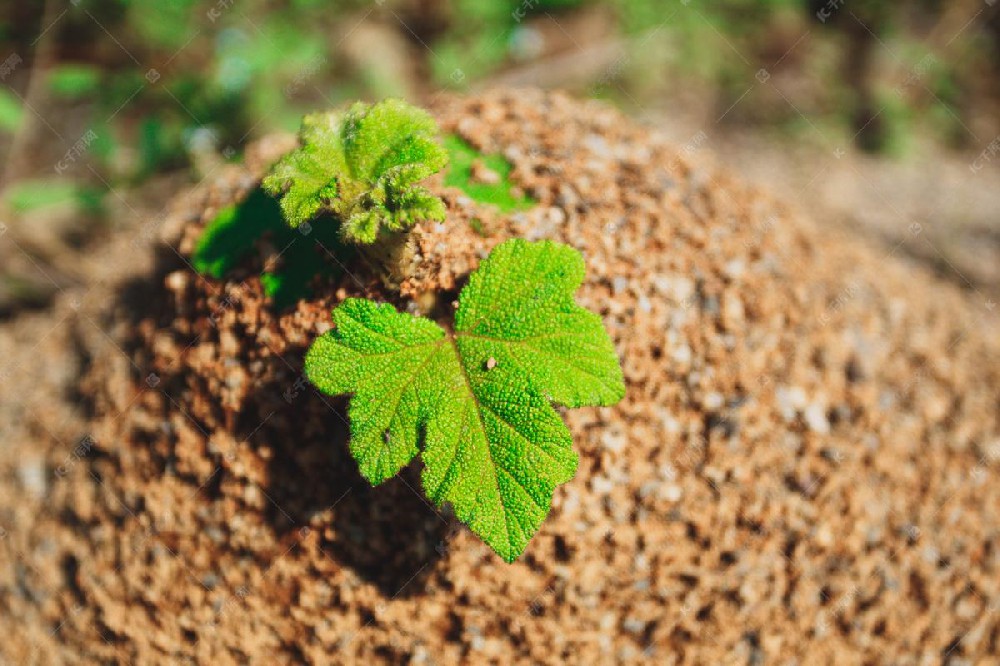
<point x="187" y="72"/>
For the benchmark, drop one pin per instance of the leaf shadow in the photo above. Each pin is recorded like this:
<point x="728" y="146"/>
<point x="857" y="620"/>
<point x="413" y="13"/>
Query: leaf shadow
<point x="237" y="231"/>
<point x="389" y="536"/>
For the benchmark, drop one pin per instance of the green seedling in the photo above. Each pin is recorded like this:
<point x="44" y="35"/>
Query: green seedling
<point x="363" y="167"/>
<point x="476" y="401"/>
<point x="475" y="398"/>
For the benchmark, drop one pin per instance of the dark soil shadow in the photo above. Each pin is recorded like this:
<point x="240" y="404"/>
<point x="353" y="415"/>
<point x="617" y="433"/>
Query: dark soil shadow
<point x="390" y="535"/>
<point x="135" y="301"/>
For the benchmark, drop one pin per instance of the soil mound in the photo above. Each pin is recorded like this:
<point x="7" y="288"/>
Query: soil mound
<point x="804" y="466"/>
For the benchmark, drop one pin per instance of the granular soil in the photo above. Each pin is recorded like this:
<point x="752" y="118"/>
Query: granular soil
<point x="804" y="468"/>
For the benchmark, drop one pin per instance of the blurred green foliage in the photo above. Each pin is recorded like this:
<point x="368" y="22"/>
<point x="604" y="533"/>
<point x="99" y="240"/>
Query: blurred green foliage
<point x="480" y="35"/>
<point x="31" y="195"/>
<point x="161" y="84"/>
<point x="11" y="112"/>
<point x="73" y="81"/>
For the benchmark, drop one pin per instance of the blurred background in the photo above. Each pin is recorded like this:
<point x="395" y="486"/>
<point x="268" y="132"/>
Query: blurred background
<point x="876" y="117"/>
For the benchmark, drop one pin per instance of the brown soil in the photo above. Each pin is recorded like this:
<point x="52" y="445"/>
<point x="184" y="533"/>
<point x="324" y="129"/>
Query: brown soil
<point x="804" y="467"/>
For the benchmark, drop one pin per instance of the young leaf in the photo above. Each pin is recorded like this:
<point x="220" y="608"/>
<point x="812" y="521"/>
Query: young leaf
<point x="493" y="445"/>
<point x="364" y="166"/>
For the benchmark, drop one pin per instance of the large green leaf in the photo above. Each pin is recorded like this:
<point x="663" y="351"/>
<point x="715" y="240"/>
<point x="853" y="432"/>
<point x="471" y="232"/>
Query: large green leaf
<point x="493" y="446"/>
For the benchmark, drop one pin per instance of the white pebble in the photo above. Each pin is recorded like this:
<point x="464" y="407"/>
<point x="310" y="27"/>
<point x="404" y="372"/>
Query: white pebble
<point x="734" y="269"/>
<point x="601" y="485"/>
<point x="682" y="355"/>
<point x="32" y="476"/>
<point x="816" y="419"/>
<point x="613" y="440"/>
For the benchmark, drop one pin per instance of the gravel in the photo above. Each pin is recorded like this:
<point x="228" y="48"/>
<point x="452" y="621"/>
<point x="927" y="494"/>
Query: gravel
<point x="708" y="522"/>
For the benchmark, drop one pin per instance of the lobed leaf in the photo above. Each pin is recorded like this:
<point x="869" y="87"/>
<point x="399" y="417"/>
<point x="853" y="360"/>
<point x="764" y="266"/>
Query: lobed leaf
<point x="364" y="166"/>
<point x="306" y="178"/>
<point x="462" y="157"/>
<point x="493" y="445"/>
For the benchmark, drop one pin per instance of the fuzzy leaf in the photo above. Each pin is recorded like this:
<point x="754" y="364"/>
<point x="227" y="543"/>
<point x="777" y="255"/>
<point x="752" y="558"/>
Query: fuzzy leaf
<point x="364" y="166"/>
<point x="493" y="445"/>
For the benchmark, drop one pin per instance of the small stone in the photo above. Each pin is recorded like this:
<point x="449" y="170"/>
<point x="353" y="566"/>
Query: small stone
<point x="734" y="269"/>
<point x="555" y="216"/>
<point x="733" y="313"/>
<point x="481" y="173"/>
<point x="815" y="418"/>
<point x="648" y="489"/>
<point x="613" y="439"/>
<point x="682" y="355"/>
<point x="601" y="485"/>
<point x="714" y="401"/>
<point x="633" y="625"/>
<point x="790" y="401"/>
<point x="178" y="281"/>
<point x="31" y="473"/>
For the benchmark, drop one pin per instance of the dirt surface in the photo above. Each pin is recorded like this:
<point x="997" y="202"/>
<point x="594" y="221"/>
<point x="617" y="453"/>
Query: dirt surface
<point x="934" y="207"/>
<point x="804" y="468"/>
